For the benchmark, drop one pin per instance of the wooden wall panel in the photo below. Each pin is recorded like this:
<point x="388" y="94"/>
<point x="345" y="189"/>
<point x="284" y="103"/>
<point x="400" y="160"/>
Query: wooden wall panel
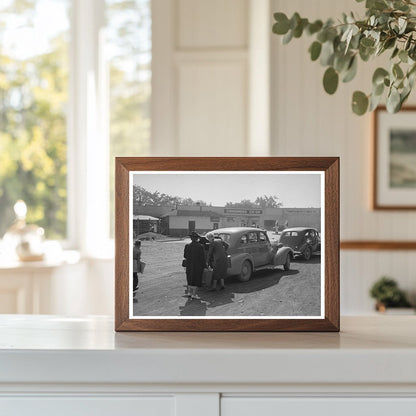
<point x="212" y="108"/>
<point x="208" y="24"/>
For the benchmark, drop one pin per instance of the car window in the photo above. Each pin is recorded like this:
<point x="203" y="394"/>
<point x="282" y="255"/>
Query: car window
<point x="244" y="239"/>
<point x="225" y="237"/>
<point x="262" y="237"/>
<point x="252" y="237"/>
<point x="290" y="234"/>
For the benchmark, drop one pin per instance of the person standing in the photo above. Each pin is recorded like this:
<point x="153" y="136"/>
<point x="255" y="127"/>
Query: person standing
<point x="137" y="254"/>
<point x="217" y="258"/>
<point x="194" y="255"/>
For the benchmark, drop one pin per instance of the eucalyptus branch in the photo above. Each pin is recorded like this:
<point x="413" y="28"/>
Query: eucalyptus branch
<point x="389" y="25"/>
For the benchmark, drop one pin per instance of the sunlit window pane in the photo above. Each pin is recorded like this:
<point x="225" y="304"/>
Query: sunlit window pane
<point x="129" y="54"/>
<point x="33" y="102"/>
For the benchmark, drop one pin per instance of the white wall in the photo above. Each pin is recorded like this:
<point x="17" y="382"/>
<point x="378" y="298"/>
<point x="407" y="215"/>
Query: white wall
<point x="307" y="121"/>
<point x="200" y="77"/>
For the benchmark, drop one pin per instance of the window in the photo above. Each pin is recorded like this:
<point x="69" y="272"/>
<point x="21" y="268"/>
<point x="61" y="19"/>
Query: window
<point x="262" y="237"/>
<point x="74" y="93"/>
<point x="244" y="239"/>
<point x="225" y="237"/>
<point x="33" y="112"/>
<point x="252" y="237"/>
<point x="129" y="46"/>
<point x="290" y="234"/>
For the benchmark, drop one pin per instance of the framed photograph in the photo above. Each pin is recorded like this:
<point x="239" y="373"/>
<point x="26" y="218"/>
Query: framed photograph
<point x="394" y="180"/>
<point x="227" y="244"/>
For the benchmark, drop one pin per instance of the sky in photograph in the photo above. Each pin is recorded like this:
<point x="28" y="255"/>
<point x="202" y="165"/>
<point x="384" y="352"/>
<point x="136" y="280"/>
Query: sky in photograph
<point x="294" y="190"/>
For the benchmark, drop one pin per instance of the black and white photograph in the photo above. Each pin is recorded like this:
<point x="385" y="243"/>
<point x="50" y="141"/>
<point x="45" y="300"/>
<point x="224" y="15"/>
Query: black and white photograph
<point x="226" y="244"/>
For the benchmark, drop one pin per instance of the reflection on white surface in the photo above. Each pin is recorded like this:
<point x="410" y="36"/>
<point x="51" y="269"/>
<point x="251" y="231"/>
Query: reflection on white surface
<point x="54" y="256"/>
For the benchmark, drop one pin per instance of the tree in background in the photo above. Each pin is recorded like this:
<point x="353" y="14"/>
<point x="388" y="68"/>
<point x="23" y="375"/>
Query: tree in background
<point x="268" y="201"/>
<point x="265" y="201"/>
<point x="143" y="197"/>
<point x="129" y="56"/>
<point x="33" y="97"/>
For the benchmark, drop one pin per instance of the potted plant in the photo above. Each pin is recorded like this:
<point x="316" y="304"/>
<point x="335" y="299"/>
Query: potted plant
<point x="389" y="27"/>
<point x="387" y="294"/>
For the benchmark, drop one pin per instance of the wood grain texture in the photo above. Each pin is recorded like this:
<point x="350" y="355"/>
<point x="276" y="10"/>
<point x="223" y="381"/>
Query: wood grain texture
<point x="330" y="165"/>
<point x="378" y="245"/>
<point x="376" y="204"/>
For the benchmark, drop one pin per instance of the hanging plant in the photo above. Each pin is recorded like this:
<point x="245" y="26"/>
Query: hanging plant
<point x="388" y="27"/>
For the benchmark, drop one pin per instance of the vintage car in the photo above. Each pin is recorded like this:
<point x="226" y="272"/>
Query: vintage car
<point x="249" y="250"/>
<point x="303" y="241"/>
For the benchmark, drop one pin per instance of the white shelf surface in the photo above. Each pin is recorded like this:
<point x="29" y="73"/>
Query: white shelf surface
<point x="52" y="349"/>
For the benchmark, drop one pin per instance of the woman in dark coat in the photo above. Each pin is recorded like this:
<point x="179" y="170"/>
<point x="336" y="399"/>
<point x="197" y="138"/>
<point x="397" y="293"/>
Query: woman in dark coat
<point x="195" y="264"/>
<point x="217" y="258"/>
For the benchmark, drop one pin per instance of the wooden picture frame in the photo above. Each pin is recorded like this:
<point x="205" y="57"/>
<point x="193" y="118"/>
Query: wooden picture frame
<point x="394" y="184"/>
<point x="131" y="172"/>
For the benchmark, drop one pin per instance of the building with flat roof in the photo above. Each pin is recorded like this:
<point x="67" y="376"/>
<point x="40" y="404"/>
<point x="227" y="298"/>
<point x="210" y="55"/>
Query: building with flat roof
<point x="181" y="220"/>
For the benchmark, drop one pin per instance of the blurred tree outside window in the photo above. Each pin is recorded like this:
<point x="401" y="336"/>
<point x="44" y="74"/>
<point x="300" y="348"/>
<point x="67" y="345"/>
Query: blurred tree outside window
<point x="34" y="91"/>
<point x="33" y="101"/>
<point x="129" y="52"/>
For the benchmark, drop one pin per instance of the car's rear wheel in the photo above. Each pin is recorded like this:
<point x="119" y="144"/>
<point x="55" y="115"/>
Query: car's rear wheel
<point x="307" y="254"/>
<point x="286" y="266"/>
<point x="246" y="271"/>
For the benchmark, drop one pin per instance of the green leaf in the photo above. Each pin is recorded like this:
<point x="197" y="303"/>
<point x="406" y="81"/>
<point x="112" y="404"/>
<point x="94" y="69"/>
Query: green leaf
<point x="393" y="101"/>
<point x="330" y="80"/>
<point x="395" y="52"/>
<point x="298" y="30"/>
<point x="366" y="53"/>
<point x="327" y="53"/>
<point x="389" y="43"/>
<point x="408" y="42"/>
<point x="404" y="95"/>
<point x="281" y="27"/>
<point x="379" y="75"/>
<point x="288" y="37"/>
<point x="322" y="36"/>
<point x="367" y="42"/>
<point x="374" y="101"/>
<point x="402" y="25"/>
<point x="351" y="71"/>
<point x="378" y="89"/>
<point x="315" y="50"/>
<point x="376" y="4"/>
<point x="359" y="103"/>
<point x="314" y="27"/>
<point x="397" y="71"/>
<point x="403" y="56"/>
<point x="294" y="20"/>
<point x="341" y="61"/>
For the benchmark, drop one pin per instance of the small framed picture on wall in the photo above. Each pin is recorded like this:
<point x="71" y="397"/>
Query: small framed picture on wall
<point x="394" y="178"/>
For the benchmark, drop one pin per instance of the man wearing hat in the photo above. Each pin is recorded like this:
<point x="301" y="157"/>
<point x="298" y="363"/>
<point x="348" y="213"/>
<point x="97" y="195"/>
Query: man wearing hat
<point x="195" y="264"/>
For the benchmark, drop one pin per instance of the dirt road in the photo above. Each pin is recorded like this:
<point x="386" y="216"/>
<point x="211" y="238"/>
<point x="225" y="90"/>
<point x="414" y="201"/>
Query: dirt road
<point x="296" y="292"/>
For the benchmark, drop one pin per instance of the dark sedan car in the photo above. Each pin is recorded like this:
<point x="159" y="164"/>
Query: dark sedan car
<point x="249" y="250"/>
<point x="302" y="240"/>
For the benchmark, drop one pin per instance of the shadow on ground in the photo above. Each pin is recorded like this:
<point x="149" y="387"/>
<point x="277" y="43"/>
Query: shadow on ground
<point x="259" y="281"/>
<point x="211" y="299"/>
<point x="193" y="307"/>
<point x="315" y="259"/>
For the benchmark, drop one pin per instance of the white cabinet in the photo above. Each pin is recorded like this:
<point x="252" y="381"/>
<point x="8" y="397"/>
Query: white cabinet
<point x="88" y="406"/>
<point x="269" y="406"/>
<point x="79" y="366"/>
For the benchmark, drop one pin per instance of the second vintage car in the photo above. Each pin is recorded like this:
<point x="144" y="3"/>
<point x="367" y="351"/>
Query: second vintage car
<point x="249" y="250"/>
<point x="303" y="241"/>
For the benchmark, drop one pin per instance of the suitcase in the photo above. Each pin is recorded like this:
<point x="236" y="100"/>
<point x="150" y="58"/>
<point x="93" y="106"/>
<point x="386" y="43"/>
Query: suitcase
<point x="207" y="277"/>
